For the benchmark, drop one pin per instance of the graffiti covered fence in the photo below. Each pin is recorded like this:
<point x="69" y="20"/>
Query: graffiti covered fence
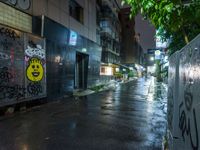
<point x="22" y="66"/>
<point x="183" y="98"/>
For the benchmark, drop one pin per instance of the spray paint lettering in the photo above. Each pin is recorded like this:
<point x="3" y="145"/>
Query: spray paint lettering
<point x="34" y="88"/>
<point x="35" y="52"/>
<point x="10" y="92"/>
<point x="5" y="76"/>
<point x="14" y="91"/>
<point x="187" y="119"/>
<point x="4" y="56"/>
<point x="9" y="33"/>
<point x="5" y="44"/>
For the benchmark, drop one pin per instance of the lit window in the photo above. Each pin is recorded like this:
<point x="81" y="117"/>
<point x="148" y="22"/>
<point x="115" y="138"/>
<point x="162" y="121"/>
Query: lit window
<point x="105" y="70"/>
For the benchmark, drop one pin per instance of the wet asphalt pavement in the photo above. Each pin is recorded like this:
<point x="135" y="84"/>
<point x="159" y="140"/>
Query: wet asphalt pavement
<point x="131" y="117"/>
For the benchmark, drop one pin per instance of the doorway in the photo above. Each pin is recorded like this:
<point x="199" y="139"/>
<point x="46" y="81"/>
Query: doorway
<point x="81" y="70"/>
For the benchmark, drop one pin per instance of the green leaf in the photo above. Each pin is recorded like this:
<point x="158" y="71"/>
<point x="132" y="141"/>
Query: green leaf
<point x="171" y="16"/>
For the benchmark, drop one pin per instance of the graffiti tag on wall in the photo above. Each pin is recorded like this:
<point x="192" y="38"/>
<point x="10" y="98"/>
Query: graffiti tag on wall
<point x="186" y="96"/>
<point x="188" y="124"/>
<point x="35" y="57"/>
<point x="9" y="33"/>
<point x="7" y="89"/>
<point x="18" y="81"/>
<point x="34" y="88"/>
<point x="10" y="87"/>
<point x="35" y="70"/>
<point x="38" y="51"/>
<point x="4" y="56"/>
<point x="5" y="76"/>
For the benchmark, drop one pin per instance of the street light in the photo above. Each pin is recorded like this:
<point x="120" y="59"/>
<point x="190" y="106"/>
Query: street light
<point x="152" y="58"/>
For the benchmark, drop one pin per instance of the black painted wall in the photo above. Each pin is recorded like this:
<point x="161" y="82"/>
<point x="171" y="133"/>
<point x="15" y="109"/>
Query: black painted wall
<point x="61" y="58"/>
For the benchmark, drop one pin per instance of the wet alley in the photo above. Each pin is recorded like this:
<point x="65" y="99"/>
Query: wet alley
<point x="130" y="117"/>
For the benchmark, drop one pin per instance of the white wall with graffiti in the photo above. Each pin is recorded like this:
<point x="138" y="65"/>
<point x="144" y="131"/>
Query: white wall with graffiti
<point x="184" y="98"/>
<point x="22" y="66"/>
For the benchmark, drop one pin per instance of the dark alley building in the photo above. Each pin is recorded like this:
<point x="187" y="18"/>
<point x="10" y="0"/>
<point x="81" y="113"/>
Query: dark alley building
<point x="131" y="50"/>
<point x="75" y="47"/>
<point x="83" y="60"/>
<point x="110" y="40"/>
<point x="47" y="48"/>
<point x="99" y="75"/>
<point x="132" y="54"/>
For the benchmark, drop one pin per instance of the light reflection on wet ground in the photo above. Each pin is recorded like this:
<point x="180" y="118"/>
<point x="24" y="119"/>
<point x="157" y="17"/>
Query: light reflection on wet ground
<point x="132" y="117"/>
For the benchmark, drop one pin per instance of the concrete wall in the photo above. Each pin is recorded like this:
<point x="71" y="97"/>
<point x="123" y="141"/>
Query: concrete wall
<point x="183" y="98"/>
<point x="173" y="89"/>
<point x="59" y="11"/>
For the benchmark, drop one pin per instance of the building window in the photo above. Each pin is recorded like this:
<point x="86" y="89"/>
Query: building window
<point x="76" y="11"/>
<point x="103" y="70"/>
<point x="106" y="70"/>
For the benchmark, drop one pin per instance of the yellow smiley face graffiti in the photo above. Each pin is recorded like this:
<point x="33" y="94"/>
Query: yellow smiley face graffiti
<point x="35" y="70"/>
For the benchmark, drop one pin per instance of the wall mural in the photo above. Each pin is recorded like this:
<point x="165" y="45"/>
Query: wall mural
<point x="7" y="90"/>
<point x="22" y="66"/>
<point x="35" y="70"/>
<point x="35" y="60"/>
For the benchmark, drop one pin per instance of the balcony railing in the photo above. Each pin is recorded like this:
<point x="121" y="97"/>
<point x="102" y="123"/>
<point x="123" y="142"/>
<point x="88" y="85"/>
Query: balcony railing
<point x="109" y="5"/>
<point x="110" y="50"/>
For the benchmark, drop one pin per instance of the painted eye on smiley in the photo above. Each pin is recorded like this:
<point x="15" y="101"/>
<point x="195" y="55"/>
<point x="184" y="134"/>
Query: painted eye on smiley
<point x="35" y="70"/>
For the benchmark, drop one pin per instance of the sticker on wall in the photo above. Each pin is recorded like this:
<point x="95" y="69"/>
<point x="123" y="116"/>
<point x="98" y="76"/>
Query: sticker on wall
<point x="73" y="38"/>
<point x="35" y="70"/>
